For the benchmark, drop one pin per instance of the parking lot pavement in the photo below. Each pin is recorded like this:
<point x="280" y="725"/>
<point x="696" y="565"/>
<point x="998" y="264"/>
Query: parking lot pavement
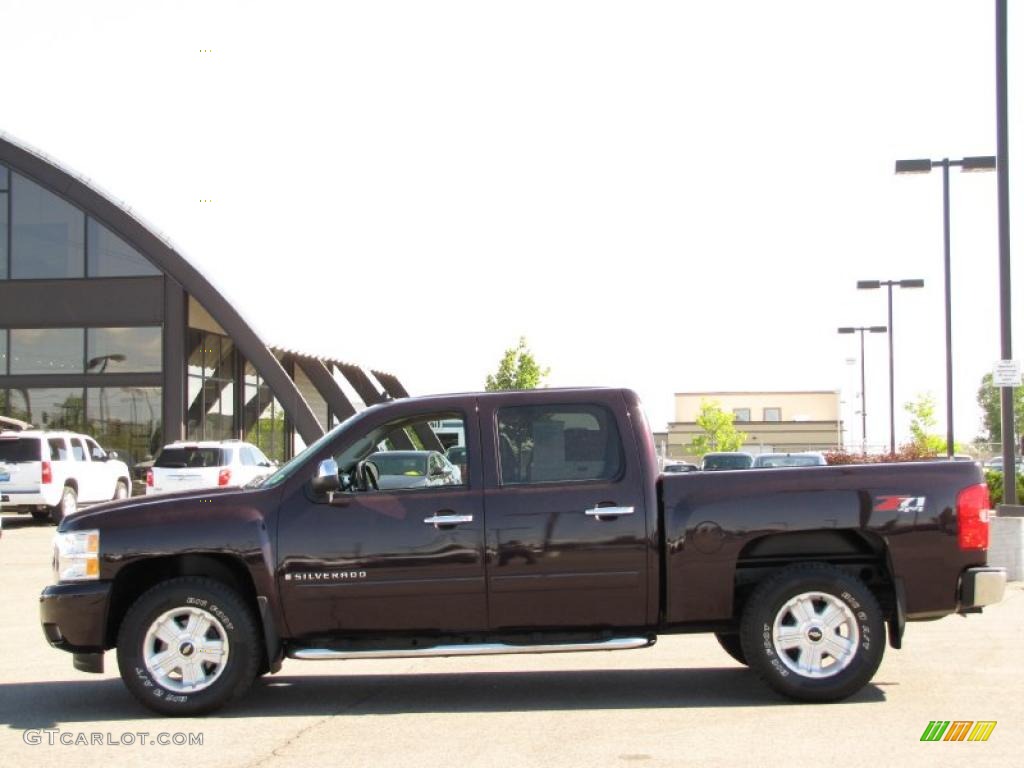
<point x="683" y="702"/>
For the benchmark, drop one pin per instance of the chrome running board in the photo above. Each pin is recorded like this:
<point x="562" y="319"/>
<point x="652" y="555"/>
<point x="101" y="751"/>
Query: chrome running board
<point x="475" y="649"/>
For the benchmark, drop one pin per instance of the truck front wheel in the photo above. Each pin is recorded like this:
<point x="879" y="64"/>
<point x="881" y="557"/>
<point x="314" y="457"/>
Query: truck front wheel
<point x="731" y="644"/>
<point x="188" y="646"/>
<point x="813" y="633"/>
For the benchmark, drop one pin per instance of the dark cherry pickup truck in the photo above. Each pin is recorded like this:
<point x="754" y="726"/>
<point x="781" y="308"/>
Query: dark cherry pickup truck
<point x="544" y="527"/>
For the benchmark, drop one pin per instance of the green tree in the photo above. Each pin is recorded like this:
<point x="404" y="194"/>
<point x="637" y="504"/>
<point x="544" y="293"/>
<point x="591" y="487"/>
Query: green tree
<point x="720" y="434"/>
<point x="991" y="412"/>
<point x="922" y="422"/>
<point x="518" y="369"/>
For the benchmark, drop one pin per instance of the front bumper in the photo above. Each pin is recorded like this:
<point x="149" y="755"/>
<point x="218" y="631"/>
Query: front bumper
<point x="980" y="587"/>
<point x="74" y="615"/>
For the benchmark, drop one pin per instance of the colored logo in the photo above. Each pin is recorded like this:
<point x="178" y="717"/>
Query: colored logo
<point x="958" y="730"/>
<point x="900" y="503"/>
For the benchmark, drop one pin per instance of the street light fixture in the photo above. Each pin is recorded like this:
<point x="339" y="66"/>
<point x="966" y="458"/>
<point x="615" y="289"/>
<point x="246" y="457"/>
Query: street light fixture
<point x="863" y="396"/>
<point x="874" y="285"/>
<point x="966" y="164"/>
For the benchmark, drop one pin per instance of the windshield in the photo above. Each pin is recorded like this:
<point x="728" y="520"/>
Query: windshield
<point x="787" y="461"/>
<point x="727" y="461"/>
<point x="409" y="464"/>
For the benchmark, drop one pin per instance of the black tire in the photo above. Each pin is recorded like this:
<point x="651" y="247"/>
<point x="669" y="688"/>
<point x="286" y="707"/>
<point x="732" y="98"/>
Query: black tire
<point x="862" y="632"/>
<point x="67" y="505"/>
<point x="121" y="490"/>
<point x="232" y="617"/>
<point x="42" y="515"/>
<point x="731" y="644"/>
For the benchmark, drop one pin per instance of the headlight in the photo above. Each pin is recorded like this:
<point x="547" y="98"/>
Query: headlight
<point x="76" y="556"/>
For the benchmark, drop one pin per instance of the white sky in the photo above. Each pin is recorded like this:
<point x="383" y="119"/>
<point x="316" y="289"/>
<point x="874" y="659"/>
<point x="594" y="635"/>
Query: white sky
<point x="667" y="196"/>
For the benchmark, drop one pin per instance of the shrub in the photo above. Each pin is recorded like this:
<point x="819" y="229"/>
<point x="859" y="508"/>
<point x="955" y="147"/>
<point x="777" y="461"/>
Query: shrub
<point x="995" y="487"/>
<point x="908" y="452"/>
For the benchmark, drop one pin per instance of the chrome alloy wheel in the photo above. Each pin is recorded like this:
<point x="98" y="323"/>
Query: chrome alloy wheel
<point x="815" y="635"/>
<point x="68" y="503"/>
<point x="186" y="649"/>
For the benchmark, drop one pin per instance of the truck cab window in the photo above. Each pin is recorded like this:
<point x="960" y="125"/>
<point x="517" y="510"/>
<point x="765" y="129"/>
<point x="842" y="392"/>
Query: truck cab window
<point x="544" y="444"/>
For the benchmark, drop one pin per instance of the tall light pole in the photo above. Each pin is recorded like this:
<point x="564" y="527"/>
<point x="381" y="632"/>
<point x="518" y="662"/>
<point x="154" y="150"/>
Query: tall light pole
<point x="1003" y="186"/>
<point x="874" y="285"/>
<point x="967" y="164"/>
<point x="863" y="392"/>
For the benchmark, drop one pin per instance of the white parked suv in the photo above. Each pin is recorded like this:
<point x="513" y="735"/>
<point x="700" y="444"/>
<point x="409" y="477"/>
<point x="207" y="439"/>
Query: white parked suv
<point x="188" y="466"/>
<point x="50" y="473"/>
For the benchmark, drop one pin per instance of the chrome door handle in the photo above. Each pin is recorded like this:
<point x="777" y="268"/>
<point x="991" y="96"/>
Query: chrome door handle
<point x="610" y="511"/>
<point x="438" y="520"/>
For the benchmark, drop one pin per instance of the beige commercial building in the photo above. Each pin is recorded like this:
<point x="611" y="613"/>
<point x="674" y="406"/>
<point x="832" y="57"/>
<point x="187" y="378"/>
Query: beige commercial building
<point x="783" y="422"/>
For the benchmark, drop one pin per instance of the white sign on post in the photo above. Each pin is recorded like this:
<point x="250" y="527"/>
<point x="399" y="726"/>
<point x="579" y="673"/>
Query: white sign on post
<point x="1006" y="373"/>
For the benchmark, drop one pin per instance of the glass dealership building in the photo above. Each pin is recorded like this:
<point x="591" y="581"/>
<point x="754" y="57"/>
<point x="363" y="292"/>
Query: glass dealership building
<point x="106" y="329"/>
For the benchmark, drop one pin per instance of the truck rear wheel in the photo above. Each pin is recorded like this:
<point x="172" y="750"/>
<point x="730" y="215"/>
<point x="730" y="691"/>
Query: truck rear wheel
<point x="188" y="646"/>
<point x="731" y="644"/>
<point x="813" y="633"/>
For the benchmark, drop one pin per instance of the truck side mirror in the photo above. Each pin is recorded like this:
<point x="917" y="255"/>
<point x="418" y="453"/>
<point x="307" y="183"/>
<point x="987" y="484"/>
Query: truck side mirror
<point x="327" y="479"/>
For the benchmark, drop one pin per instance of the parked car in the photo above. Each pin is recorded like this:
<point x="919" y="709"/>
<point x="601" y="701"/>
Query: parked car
<point x="996" y="464"/>
<point x="186" y="466"/>
<point x="773" y="460"/>
<point x="413" y="469"/>
<point x="713" y="462"/>
<point x="584" y="546"/>
<point x="679" y="466"/>
<point x="50" y="473"/>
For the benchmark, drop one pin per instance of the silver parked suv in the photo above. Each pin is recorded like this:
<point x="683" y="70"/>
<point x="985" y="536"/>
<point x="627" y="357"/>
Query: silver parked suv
<point x="50" y="473"/>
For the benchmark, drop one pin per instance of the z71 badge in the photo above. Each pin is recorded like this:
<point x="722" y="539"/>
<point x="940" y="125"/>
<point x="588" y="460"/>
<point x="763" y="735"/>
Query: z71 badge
<point x="900" y="503"/>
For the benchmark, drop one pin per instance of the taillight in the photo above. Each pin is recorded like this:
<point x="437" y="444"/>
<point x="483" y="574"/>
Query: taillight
<point x="149" y="478"/>
<point x="972" y="512"/>
<point x="224" y="477"/>
<point x="47" y="473"/>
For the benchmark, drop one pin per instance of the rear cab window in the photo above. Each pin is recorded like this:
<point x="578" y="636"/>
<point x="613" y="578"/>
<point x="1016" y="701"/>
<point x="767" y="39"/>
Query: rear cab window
<point x="20" y="450"/>
<point x="558" y="443"/>
<point x="190" y="457"/>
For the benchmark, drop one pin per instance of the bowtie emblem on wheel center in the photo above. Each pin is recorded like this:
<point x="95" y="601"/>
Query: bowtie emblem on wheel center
<point x="186" y="649"/>
<point x="814" y="634"/>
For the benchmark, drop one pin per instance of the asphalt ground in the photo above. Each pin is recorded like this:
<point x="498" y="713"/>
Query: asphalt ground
<point x="682" y="702"/>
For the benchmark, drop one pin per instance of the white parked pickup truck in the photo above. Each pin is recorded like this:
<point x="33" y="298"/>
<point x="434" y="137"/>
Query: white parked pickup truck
<point x="50" y="473"/>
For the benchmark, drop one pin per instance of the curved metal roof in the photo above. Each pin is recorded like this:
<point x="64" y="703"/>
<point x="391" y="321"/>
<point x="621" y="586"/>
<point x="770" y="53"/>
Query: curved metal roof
<point x="128" y="225"/>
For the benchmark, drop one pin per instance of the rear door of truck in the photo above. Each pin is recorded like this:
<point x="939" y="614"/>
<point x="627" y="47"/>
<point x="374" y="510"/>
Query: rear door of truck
<point x="565" y="511"/>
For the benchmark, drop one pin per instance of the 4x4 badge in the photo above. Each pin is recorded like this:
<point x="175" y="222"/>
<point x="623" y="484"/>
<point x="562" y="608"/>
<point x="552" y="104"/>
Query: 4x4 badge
<point x="900" y="503"/>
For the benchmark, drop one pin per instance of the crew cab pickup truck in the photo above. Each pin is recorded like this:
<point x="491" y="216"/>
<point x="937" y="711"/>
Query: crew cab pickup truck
<point x="560" y="536"/>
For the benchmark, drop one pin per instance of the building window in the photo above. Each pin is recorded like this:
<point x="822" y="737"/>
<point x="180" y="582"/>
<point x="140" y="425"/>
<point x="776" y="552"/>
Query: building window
<point x="47" y="233"/>
<point x="52" y="239"/>
<point x="3" y="352"/>
<point x="110" y="256"/>
<point x="211" y="387"/>
<point x="47" y="350"/>
<point x="263" y="419"/>
<point x="124" y="350"/>
<point x="741" y="414"/>
<point x="127" y="420"/>
<point x="48" y="408"/>
<point x="4" y="203"/>
<point x="773" y="414"/>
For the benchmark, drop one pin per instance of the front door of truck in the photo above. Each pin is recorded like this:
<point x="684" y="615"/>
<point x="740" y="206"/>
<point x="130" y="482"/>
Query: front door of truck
<point x="406" y="555"/>
<point x="566" y="522"/>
